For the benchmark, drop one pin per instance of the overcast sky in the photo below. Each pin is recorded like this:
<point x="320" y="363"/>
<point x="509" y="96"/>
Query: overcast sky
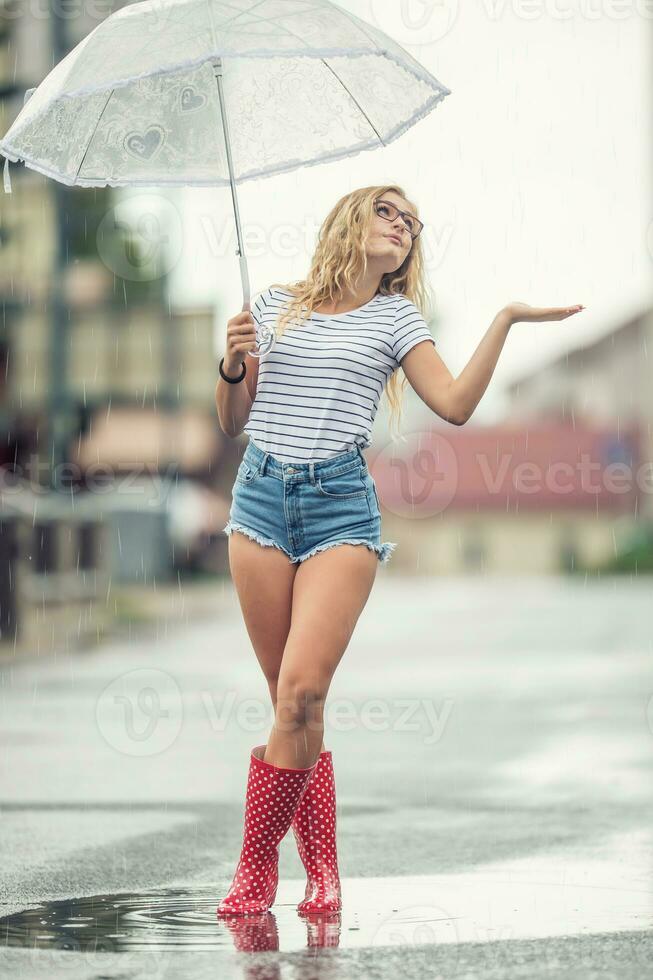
<point x="532" y="177"/>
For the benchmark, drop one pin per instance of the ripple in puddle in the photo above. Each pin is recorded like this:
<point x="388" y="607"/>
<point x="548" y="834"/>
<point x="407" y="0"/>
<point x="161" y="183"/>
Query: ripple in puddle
<point x="159" y="920"/>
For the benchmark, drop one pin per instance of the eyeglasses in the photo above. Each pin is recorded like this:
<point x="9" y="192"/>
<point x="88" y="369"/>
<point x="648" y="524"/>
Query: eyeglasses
<point x="388" y="211"/>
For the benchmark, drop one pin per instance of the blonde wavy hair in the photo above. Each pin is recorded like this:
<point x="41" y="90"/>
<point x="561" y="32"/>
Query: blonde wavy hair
<point x="340" y="259"/>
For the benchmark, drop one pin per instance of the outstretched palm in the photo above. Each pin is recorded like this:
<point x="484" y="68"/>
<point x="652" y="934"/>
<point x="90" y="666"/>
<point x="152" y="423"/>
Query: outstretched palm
<point x="523" y="312"/>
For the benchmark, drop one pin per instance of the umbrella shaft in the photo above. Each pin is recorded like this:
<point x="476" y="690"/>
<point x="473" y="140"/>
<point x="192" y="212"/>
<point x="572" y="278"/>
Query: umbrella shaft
<point x="217" y="71"/>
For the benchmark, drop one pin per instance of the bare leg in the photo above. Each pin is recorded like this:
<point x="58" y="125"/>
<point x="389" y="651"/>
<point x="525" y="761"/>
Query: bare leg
<point x="329" y="593"/>
<point x="263" y="578"/>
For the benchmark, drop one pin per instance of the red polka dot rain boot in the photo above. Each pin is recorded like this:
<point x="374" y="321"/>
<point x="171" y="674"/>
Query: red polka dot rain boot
<point x="273" y="793"/>
<point x="314" y="827"/>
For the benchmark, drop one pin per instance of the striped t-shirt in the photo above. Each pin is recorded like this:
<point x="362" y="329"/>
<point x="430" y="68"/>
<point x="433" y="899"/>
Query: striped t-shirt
<point x="319" y="386"/>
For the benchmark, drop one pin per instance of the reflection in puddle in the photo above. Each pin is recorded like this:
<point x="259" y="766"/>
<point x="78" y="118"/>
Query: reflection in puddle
<point x="530" y="898"/>
<point x="163" y="919"/>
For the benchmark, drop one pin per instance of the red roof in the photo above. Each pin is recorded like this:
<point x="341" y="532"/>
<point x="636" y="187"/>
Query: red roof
<point x="541" y="467"/>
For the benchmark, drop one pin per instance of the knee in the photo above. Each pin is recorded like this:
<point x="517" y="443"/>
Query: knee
<point x="273" y="684"/>
<point x="299" y="700"/>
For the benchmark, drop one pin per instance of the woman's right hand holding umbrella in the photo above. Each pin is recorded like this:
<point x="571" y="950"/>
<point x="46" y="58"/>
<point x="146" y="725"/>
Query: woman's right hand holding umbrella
<point x="241" y="338"/>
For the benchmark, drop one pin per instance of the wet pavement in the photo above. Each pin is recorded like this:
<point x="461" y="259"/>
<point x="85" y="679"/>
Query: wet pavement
<point x="492" y="749"/>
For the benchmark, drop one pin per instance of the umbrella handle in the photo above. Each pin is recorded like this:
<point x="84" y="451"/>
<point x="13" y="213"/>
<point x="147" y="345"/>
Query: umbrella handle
<point x="6" y="179"/>
<point x="240" y="252"/>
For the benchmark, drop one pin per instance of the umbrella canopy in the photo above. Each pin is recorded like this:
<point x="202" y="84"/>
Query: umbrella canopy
<point x="145" y="98"/>
<point x="136" y="102"/>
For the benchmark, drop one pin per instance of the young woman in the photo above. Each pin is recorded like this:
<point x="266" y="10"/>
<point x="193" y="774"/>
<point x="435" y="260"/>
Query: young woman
<point x="305" y="526"/>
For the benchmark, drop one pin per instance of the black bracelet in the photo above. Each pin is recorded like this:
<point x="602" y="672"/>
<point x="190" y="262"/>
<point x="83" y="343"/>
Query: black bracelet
<point x="232" y="381"/>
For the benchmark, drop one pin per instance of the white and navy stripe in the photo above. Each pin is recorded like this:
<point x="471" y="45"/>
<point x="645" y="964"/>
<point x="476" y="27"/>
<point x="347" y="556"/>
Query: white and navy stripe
<point x="319" y="387"/>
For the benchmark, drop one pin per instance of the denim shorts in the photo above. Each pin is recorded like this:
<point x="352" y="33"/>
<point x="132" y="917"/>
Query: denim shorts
<point x="303" y="508"/>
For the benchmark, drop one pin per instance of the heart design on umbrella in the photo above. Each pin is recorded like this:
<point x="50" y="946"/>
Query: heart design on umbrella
<point x="191" y="99"/>
<point x="144" y="146"/>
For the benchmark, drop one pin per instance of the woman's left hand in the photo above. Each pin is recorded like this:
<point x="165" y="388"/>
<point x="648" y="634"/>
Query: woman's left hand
<point x="518" y="312"/>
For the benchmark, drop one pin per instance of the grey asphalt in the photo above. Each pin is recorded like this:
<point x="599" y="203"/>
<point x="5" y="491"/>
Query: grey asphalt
<point x="492" y="748"/>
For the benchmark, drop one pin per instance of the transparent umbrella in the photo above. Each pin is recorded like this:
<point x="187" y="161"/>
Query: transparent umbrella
<point x="203" y="92"/>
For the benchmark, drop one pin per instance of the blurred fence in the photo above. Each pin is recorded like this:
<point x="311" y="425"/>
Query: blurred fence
<point x="54" y="578"/>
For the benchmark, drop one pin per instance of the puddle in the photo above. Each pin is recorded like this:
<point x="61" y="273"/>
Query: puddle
<point x="529" y="898"/>
<point x="165" y="919"/>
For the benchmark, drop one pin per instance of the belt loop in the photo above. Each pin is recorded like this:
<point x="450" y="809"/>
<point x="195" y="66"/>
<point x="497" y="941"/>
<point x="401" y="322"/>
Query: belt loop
<point x="263" y="464"/>
<point x="311" y="471"/>
<point x="360" y="452"/>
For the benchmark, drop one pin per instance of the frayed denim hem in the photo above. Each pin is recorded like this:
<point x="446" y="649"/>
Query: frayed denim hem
<point x="255" y="536"/>
<point x="384" y="551"/>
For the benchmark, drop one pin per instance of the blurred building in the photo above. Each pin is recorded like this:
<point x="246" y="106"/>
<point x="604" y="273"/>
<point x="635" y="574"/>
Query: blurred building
<point x="565" y="482"/>
<point x="508" y="499"/>
<point x="89" y="339"/>
<point x="606" y="382"/>
<point x="124" y="344"/>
